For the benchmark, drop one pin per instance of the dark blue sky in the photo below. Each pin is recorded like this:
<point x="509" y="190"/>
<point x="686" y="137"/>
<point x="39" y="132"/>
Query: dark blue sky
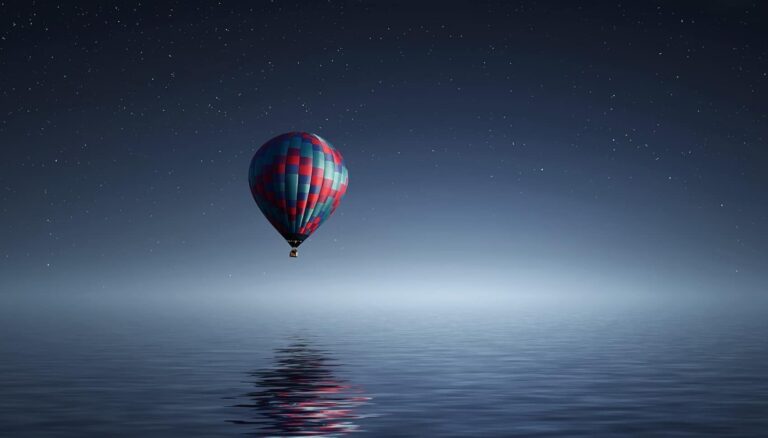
<point x="490" y="145"/>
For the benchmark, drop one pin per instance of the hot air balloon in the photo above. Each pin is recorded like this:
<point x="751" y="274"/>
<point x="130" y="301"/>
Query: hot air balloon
<point x="297" y="180"/>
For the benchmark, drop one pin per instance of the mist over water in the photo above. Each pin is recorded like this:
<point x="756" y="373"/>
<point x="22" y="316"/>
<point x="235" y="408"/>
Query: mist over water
<point x="472" y="365"/>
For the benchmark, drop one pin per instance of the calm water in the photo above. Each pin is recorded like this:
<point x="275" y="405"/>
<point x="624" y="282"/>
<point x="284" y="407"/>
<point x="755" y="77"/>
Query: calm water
<point x="146" y="367"/>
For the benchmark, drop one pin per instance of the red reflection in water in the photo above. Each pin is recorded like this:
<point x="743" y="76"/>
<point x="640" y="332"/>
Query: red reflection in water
<point x="300" y="396"/>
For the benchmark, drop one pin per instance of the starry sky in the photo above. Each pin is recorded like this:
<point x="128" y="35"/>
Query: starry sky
<point x="504" y="146"/>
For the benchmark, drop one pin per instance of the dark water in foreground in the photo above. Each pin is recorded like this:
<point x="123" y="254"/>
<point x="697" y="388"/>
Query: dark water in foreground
<point x="152" y="368"/>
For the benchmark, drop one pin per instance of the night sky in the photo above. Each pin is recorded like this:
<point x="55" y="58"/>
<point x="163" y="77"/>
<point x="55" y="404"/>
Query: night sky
<point x="513" y="147"/>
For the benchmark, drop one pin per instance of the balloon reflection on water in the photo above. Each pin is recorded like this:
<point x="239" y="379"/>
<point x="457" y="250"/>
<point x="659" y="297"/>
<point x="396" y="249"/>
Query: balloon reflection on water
<point x="301" y="396"/>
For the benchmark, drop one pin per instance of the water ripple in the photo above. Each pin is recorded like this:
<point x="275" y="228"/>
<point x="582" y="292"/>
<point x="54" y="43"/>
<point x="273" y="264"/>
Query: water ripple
<point x="301" y="396"/>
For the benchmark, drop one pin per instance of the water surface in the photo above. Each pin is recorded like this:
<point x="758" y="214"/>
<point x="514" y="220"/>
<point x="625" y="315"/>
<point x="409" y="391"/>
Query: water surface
<point x="149" y="367"/>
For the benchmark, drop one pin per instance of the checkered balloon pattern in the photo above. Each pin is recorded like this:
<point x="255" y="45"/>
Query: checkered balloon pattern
<point x="297" y="180"/>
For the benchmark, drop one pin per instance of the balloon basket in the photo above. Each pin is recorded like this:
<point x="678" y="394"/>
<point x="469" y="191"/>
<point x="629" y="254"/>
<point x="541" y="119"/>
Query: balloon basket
<point x="294" y="252"/>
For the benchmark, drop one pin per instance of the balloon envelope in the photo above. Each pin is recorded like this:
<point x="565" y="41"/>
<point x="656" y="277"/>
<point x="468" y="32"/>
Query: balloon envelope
<point x="297" y="180"/>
